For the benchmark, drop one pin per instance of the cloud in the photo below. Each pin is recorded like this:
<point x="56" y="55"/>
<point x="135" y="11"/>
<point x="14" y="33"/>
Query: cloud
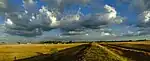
<point x="61" y="4"/>
<point x="30" y="6"/>
<point x="142" y="10"/>
<point x="111" y="11"/>
<point x="32" y="19"/>
<point x="98" y="19"/>
<point x="136" y="6"/>
<point x="2" y="4"/>
<point x="143" y="31"/>
<point x="24" y="24"/>
<point x="7" y="6"/>
<point x="74" y="33"/>
<point x="9" y="22"/>
<point x="144" y="17"/>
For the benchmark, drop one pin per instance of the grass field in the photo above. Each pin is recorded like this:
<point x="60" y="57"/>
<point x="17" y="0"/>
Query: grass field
<point x="14" y="52"/>
<point x="134" y="51"/>
<point x="105" y="51"/>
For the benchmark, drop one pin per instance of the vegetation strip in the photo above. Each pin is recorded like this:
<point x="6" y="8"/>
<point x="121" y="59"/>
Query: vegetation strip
<point x="97" y="53"/>
<point x="119" y="57"/>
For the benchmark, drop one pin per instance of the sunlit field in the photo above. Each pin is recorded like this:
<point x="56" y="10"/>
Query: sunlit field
<point x="96" y="51"/>
<point x="133" y="51"/>
<point x="15" y="52"/>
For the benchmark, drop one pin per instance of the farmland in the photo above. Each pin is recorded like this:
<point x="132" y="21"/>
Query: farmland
<point x="134" y="51"/>
<point x="104" y="51"/>
<point x="15" y="52"/>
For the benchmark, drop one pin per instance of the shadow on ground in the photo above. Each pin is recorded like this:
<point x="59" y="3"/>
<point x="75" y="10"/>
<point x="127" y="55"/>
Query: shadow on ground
<point x="69" y="54"/>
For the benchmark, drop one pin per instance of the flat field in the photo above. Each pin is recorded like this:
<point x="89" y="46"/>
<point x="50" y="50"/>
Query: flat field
<point x="133" y="51"/>
<point x="104" y="51"/>
<point x="15" y="52"/>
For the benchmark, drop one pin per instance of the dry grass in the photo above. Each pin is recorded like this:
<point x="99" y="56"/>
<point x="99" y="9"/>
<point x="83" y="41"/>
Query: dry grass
<point x="96" y="52"/>
<point x="133" y="51"/>
<point x="129" y="53"/>
<point x="11" y="52"/>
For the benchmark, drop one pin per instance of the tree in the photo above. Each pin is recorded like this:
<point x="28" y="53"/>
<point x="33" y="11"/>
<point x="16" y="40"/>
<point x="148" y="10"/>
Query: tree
<point x="3" y="43"/>
<point x="18" y="42"/>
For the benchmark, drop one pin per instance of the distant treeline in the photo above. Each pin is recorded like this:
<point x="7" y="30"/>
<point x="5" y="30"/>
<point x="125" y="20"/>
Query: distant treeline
<point x="62" y="42"/>
<point x="68" y="42"/>
<point x="124" y="40"/>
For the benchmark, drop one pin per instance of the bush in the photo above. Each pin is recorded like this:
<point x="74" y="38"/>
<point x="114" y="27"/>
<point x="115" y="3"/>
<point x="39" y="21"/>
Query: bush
<point x="54" y="50"/>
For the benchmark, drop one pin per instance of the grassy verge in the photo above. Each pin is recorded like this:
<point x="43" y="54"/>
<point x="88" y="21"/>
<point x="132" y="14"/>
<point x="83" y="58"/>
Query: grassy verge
<point x="99" y="53"/>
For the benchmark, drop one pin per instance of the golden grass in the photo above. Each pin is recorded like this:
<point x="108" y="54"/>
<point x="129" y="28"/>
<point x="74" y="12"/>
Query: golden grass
<point x="10" y="52"/>
<point x="96" y="52"/>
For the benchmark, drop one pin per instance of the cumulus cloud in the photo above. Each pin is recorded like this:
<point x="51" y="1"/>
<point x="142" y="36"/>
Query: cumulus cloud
<point x="32" y="21"/>
<point x="23" y="23"/>
<point x="144" y="17"/>
<point x="108" y="17"/>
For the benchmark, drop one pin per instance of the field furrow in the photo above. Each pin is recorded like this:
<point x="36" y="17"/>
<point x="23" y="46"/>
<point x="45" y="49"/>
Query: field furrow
<point x="133" y="54"/>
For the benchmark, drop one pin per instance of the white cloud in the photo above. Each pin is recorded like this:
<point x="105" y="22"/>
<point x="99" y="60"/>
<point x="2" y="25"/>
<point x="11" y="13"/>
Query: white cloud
<point x="9" y="22"/>
<point x="51" y="16"/>
<point x="144" y="17"/>
<point x="111" y="12"/>
<point x="29" y="1"/>
<point x="105" y="34"/>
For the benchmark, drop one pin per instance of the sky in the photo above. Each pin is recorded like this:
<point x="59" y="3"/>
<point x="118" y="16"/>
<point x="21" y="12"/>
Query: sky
<point x="38" y="20"/>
